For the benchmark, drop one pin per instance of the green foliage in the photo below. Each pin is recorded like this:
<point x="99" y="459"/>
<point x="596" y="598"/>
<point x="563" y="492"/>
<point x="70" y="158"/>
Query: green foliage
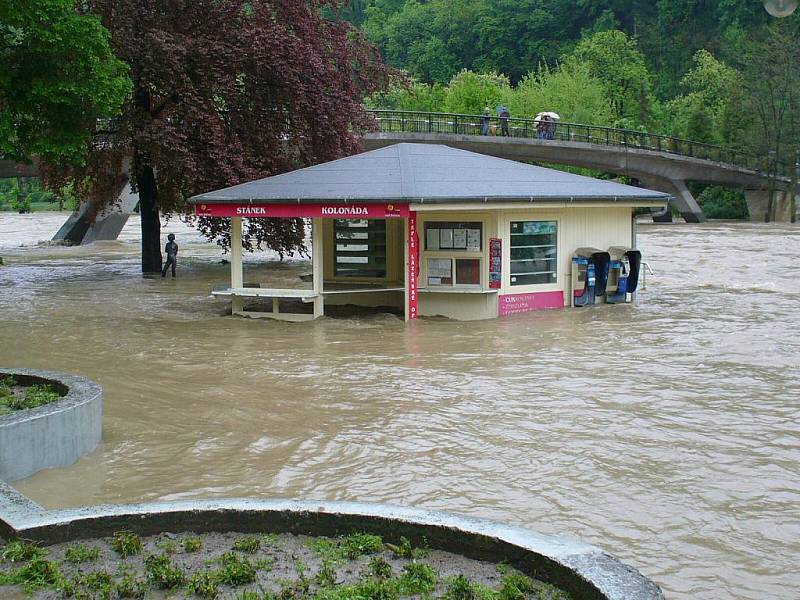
<point x="99" y="581"/>
<point x="204" y="584"/>
<point x="569" y="90"/>
<point x="515" y="586"/>
<point x="349" y="546"/>
<point x="405" y="550"/>
<point x="191" y="544"/>
<point x="167" y="546"/>
<point x="723" y="203"/>
<point x="163" y="573"/>
<point x="417" y="578"/>
<point x="413" y="96"/>
<point x="38" y="573"/>
<point x="129" y="586"/>
<point x="371" y="589"/>
<point x="247" y="544"/>
<point x="34" y="395"/>
<point x="379" y="568"/>
<point x="704" y="112"/>
<point x="615" y="59"/>
<point x="235" y="570"/>
<point x="126" y="543"/>
<point x="59" y="76"/>
<point x="326" y="576"/>
<point x="469" y="93"/>
<point x="80" y="553"/>
<point x="21" y="551"/>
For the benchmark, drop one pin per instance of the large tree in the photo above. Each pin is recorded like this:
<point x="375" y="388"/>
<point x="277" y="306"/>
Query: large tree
<point x="226" y="91"/>
<point x="57" y="77"/>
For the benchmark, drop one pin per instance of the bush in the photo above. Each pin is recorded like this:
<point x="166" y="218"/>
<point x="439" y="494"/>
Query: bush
<point x="723" y="203"/>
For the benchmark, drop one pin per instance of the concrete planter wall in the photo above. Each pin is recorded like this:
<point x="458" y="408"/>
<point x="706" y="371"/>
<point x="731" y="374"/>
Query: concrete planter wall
<point x="585" y="571"/>
<point x="54" y="435"/>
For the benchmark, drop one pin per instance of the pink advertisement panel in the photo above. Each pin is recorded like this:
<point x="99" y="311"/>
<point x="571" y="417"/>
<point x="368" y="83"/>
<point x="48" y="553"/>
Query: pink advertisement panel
<point x="329" y="211"/>
<point x="511" y="304"/>
<point x="413" y="265"/>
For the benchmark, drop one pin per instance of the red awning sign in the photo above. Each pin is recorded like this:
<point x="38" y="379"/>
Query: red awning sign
<point x="325" y="211"/>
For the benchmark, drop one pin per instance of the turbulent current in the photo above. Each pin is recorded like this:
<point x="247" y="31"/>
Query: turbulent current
<point x="667" y="432"/>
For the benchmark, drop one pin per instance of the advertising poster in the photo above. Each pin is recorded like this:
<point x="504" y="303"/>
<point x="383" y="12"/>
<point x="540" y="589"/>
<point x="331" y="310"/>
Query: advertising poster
<point x="495" y="263"/>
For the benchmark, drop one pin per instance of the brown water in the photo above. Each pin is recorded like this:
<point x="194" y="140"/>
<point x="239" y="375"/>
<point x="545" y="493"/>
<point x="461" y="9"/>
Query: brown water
<point x="666" y="433"/>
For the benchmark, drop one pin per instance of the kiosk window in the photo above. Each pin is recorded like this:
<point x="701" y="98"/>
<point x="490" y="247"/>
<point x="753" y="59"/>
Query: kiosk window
<point x="448" y="235"/>
<point x="467" y="271"/>
<point x="534" y="252"/>
<point x="360" y="249"/>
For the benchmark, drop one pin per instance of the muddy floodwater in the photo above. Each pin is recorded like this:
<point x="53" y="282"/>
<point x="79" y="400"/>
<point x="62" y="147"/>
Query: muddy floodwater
<point x="667" y="433"/>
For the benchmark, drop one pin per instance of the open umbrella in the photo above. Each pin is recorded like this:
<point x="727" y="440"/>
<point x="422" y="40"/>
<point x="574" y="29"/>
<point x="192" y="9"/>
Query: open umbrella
<point x="552" y="115"/>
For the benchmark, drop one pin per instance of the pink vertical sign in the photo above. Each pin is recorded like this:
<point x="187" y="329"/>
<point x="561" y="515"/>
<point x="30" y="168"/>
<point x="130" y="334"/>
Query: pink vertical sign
<point x="413" y="265"/>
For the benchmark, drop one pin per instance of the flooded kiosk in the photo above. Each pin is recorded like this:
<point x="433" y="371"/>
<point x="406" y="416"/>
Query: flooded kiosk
<point x="432" y="230"/>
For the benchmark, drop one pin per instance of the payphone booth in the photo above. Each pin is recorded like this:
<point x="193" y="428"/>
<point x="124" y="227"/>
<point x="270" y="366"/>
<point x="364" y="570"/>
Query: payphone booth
<point x="589" y="275"/>
<point x="623" y="273"/>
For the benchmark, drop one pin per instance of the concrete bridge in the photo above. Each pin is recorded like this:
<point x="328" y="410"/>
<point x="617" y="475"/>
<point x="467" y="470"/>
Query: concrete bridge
<point x="656" y="161"/>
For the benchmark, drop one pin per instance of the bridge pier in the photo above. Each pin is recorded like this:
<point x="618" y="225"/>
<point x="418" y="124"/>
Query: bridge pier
<point x="758" y="201"/>
<point x="86" y="225"/>
<point x="682" y="198"/>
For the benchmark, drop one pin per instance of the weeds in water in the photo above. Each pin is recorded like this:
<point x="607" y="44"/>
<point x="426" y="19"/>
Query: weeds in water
<point x="250" y="545"/>
<point x="163" y="573"/>
<point x="79" y="553"/>
<point x="20" y="551"/>
<point x="191" y="544"/>
<point x="254" y="595"/>
<point x="204" y="584"/>
<point x="126" y="543"/>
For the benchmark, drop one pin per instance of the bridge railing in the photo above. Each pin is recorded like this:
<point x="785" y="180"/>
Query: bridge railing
<point x="403" y="121"/>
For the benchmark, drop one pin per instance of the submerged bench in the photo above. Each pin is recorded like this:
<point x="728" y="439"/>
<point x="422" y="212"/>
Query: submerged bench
<point x="276" y="294"/>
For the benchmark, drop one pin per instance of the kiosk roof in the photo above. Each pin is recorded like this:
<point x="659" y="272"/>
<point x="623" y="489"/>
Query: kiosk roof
<point x="426" y="173"/>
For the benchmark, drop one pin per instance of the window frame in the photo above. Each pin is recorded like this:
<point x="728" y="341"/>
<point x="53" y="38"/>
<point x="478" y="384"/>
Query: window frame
<point x="555" y="272"/>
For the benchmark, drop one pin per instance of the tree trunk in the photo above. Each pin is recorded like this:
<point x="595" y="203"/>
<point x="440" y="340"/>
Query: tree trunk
<point x="151" y="222"/>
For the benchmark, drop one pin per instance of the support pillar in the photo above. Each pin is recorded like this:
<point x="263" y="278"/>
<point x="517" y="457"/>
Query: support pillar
<point x="682" y="198"/>
<point x="317" y="265"/>
<point x="237" y="271"/>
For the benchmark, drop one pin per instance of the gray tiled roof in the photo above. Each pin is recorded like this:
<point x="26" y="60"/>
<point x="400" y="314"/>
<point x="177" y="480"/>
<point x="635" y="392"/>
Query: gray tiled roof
<point x="426" y="173"/>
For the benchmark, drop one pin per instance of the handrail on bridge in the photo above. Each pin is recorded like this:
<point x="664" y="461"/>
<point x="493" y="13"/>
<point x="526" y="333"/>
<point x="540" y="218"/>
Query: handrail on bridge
<point x="409" y="121"/>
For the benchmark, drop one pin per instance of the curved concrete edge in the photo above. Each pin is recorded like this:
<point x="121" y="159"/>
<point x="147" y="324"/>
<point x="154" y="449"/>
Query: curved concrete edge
<point x="585" y="571"/>
<point x="53" y="435"/>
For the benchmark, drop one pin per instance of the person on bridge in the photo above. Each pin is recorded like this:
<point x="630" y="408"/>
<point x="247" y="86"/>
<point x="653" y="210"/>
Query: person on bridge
<point x="504" y="116"/>
<point x="172" y="255"/>
<point x="485" y="118"/>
